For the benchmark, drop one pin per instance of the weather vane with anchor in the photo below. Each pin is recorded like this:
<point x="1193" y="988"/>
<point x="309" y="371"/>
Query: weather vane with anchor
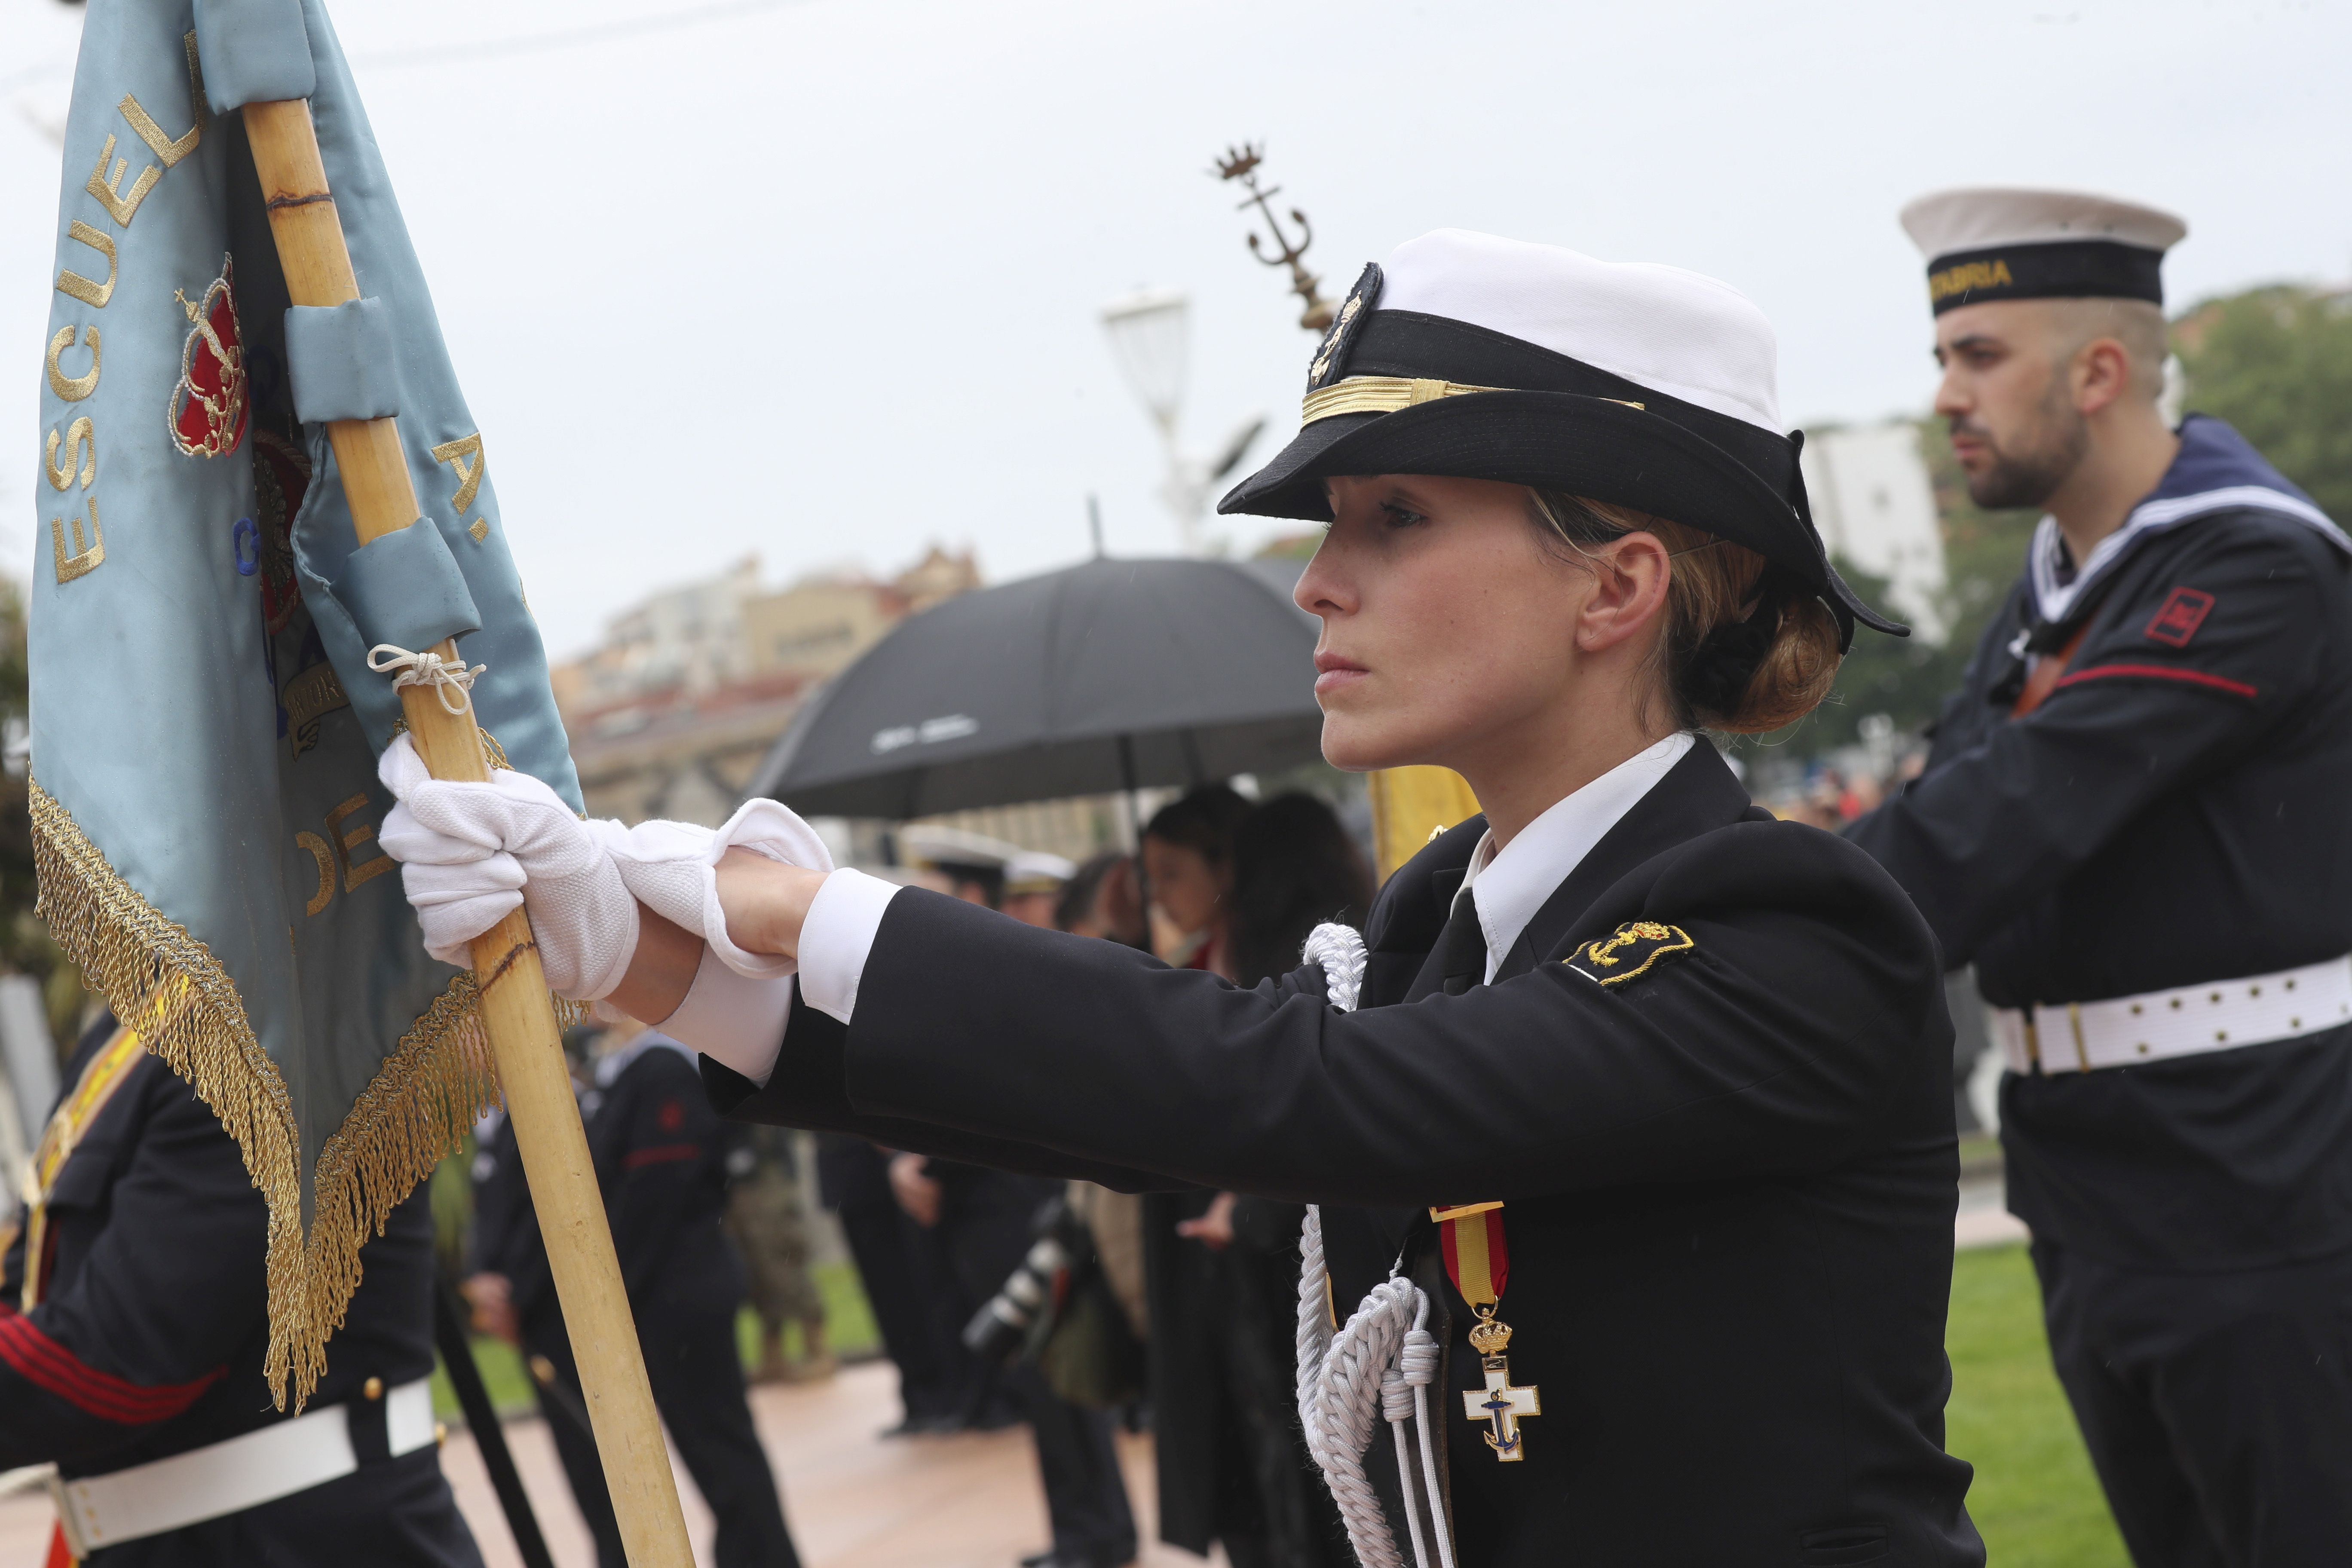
<point x="1241" y="164"/>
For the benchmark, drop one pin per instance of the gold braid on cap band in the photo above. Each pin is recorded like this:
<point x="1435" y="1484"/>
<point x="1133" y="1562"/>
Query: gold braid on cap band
<point x="1387" y="394"/>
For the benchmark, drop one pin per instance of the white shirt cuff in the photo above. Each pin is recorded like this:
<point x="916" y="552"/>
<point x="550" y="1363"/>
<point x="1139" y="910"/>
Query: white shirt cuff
<point x="734" y="1020"/>
<point x="843" y="921"/>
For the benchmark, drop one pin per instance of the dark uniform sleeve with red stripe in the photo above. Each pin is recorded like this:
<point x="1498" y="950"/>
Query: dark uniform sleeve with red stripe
<point x="157" y="1285"/>
<point x="2178" y="676"/>
<point x="659" y="1161"/>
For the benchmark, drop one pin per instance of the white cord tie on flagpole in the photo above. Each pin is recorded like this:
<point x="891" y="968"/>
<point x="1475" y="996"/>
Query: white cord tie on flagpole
<point x="428" y="669"/>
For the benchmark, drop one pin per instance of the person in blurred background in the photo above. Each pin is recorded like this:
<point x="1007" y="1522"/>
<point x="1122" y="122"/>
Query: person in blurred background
<point x="1294" y="867"/>
<point x="910" y="1309"/>
<point x="765" y="1223"/>
<point x="2133" y="822"/>
<point x="512" y="1295"/>
<point x="134" y="1325"/>
<point x="1188" y="858"/>
<point x="1101" y="900"/>
<point x="1034" y="881"/>
<point x="1232" y="1461"/>
<point x="656" y="1147"/>
<point x="981" y="1222"/>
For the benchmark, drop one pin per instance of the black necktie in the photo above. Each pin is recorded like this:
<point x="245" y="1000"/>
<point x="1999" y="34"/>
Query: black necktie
<point x="1463" y="945"/>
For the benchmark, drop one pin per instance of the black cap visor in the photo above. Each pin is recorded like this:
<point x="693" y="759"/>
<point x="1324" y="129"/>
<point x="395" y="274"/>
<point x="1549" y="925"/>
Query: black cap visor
<point x="1597" y="447"/>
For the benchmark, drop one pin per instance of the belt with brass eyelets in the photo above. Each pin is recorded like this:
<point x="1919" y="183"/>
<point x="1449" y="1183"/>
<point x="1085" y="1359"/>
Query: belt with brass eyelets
<point x="241" y="1472"/>
<point x="2194" y="1020"/>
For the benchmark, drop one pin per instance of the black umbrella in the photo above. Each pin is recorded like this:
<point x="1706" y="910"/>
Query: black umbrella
<point x="1107" y="676"/>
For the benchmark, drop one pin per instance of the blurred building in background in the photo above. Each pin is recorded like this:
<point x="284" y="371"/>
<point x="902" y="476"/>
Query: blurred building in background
<point x="669" y="715"/>
<point x="1875" y="507"/>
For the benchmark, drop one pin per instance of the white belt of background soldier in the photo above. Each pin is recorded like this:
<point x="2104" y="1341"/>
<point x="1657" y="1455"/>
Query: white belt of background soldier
<point x="2194" y="1020"/>
<point x="242" y="1472"/>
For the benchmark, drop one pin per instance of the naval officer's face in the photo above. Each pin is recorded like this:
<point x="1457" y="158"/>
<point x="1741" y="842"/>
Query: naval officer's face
<point x="1449" y="631"/>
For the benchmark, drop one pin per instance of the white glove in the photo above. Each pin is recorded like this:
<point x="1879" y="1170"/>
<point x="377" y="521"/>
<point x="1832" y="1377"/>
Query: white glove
<point x="471" y="852"/>
<point x="671" y="866"/>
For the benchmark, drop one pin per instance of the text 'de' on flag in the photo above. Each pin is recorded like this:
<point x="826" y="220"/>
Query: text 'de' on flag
<point x="203" y="727"/>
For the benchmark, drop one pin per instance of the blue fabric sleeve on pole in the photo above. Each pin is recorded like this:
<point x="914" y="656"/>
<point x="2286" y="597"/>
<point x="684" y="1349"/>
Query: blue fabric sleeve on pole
<point x="252" y="51"/>
<point x="341" y="360"/>
<point x="405" y="589"/>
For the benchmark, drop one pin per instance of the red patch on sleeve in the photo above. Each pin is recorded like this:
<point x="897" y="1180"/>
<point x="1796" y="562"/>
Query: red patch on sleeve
<point x="2177" y="620"/>
<point x="672" y="1117"/>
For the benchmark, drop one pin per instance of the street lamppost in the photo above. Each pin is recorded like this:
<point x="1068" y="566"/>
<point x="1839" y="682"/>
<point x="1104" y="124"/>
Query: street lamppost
<point x="1147" y="331"/>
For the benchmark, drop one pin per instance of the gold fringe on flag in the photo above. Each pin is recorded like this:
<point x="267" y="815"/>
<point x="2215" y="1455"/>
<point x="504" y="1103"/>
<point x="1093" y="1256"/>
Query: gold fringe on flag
<point x="437" y="1080"/>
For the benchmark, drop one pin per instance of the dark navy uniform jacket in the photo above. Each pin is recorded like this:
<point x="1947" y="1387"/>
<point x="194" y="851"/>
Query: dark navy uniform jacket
<point x="150" y="1337"/>
<point x="1728" y="1183"/>
<point x="660" y="1154"/>
<point x="661" y="1158"/>
<point x="2177" y="810"/>
<point x="506" y="1239"/>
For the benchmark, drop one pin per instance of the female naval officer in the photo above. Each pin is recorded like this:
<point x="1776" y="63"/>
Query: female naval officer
<point x="1641" y="1109"/>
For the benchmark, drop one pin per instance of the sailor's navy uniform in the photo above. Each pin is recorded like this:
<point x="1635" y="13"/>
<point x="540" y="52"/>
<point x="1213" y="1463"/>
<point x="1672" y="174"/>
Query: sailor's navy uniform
<point x="2151" y="871"/>
<point x="2133" y="822"/>
<point x="138" y="1366"/>
<point x="661" y="1165"/>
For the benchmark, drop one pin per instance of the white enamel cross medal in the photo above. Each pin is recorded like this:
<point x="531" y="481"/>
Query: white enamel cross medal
<point x="1500" y="1404"/>
<point x="1478" y="1261"/>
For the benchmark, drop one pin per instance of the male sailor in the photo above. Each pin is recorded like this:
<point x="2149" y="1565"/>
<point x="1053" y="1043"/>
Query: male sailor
<point x="2135" y="824"/>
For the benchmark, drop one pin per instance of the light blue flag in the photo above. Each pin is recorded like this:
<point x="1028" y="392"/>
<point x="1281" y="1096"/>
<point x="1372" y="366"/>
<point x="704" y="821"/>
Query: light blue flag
<point x="205" y="727"/>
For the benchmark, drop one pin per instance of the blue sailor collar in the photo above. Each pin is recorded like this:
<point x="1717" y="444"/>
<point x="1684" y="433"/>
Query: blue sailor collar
<point x="2216" y="471"/>
<point x="610" y="1067"/>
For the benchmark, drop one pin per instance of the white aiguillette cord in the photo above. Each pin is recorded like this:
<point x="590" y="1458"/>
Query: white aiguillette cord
<point x="443" y="674"/>
<point x="1385" y="1355"/>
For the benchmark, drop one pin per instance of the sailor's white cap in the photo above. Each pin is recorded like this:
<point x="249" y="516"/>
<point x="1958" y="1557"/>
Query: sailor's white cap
<point x="2001" y="242"/>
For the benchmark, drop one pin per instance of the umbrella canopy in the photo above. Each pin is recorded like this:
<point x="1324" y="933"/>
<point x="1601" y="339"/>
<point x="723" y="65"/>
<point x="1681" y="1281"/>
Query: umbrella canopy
<point x="1110" y="675"/>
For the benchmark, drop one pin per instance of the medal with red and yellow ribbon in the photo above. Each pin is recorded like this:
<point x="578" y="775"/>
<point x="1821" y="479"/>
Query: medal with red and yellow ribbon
<point x="1478" y="1261"/>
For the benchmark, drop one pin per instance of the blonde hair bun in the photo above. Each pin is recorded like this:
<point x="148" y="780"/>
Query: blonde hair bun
<point x="1745" y="651"/>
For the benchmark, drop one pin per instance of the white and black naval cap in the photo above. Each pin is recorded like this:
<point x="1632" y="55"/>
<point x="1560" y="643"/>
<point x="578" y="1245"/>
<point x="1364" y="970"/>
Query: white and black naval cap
<point x="1641" y="385"/>
<point x="1986" y="242"/>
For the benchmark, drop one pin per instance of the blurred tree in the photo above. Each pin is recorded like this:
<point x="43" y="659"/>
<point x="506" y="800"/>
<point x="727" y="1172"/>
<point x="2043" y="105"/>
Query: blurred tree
<point x="2276" y="362"/>
<point x="25" y="945"/>
<point x="1904" y="677"/>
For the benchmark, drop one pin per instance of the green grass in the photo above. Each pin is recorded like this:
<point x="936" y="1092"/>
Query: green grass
<point x="850" y="1326"/>
<point x="2034" y="1498"/>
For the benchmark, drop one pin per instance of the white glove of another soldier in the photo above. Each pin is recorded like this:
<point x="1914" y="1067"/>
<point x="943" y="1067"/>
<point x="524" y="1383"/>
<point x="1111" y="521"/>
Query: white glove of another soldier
<point x="471" y="852"/>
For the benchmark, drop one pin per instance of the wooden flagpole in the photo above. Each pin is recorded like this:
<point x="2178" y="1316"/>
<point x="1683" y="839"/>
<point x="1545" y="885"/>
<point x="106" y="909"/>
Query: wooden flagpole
<point x="517" y="1013"/>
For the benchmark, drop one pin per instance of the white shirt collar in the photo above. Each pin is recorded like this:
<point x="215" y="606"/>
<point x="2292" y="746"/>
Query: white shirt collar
<point x="1514" y="882"/>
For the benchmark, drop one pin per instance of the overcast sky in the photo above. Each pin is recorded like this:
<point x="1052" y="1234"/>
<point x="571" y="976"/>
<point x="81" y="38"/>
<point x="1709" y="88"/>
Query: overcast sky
<point x="821" y="279"/>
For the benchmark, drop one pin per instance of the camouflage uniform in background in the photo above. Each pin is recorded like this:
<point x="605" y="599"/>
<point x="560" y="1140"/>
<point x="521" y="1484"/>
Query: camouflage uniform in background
<point x="769" y="1227"/>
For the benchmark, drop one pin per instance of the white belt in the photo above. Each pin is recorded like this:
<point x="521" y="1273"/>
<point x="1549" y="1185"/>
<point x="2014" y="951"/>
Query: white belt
<point x="261" y="1466"/>
<point x="2219" y="1016"/>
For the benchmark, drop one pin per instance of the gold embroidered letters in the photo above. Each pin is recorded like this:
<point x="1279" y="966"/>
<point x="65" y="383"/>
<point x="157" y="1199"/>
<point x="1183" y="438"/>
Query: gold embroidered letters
<point x="82" y="561"/>
<point x="470" y="475"/>
<point x="73" y="388"/>
<point x="81" y="439"/>
<point x="80" y="287"/>
<point x="121" y="208"/>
